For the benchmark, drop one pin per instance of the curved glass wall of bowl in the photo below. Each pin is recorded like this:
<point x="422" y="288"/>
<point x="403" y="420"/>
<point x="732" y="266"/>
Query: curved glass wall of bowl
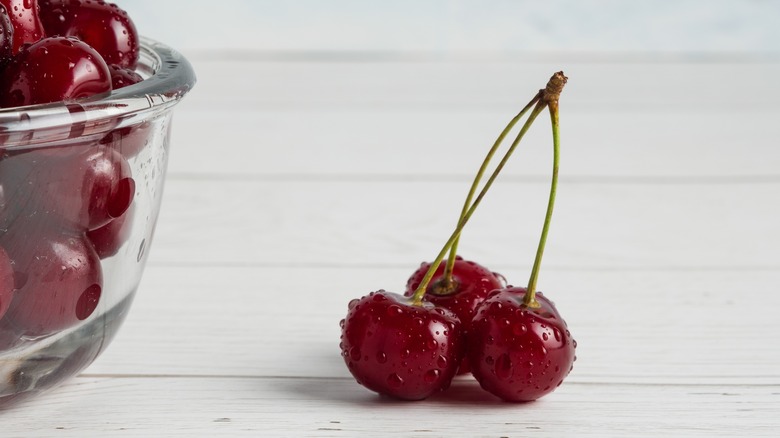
<point x="80" y="192"/>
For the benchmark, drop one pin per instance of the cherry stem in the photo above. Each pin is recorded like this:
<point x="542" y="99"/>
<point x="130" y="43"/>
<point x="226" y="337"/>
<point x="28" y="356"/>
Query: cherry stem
<point x="447" y="277"/>
<point x="420" y="291"/>
<point x="552" y="94"/>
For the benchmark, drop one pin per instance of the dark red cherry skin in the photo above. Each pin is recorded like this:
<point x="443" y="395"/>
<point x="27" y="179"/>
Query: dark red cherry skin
<point x="25" y="19"/>
<point x="121" y="77"/>
<point x="6" y="282"/>
<point x="398" y="349"/>
<point x="58" y="279"/>
<point x="130" y="140"/>
<point x="104" y="26"/>
<point x="53" y="70"/>
<point x="6" y="36"/>
<point x="88" y="189"/>
<point x="517" y="353"/>
<point x="473" y="283"/>
<point x="108" y="239"/>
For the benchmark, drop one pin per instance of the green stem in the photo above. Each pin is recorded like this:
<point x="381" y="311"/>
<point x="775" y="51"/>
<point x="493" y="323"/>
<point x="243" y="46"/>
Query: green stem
<point x="530" y="296"/>
<point x="420" y="291"/>
<point x="447" y="277"/>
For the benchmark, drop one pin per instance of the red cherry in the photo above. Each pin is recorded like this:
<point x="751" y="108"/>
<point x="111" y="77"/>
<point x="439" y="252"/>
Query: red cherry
<point x="122" y="77"/>
<point x="88" y="189"/>
<point x="102" y="25"/>
<point x="399" y="349"/>
<point x="58" y="278"/>
<point x="108" y="239"/>
<point x="130" y="140"/>
<point x="6" y="36"/>
<point x="24" y="17"/>
<point x="53" y="70"/>
<point x="472" y="284"/>
<point x="516" y="352"/>
<point x="6" y="282"/>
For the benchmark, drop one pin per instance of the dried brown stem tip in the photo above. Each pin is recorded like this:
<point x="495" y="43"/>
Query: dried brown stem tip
<point x="554" y="87"/>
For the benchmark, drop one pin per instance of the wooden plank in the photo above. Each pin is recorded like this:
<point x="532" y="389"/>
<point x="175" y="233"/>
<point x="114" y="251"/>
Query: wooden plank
<point x="659" y="327"/>
<point x="442" y="144"/>
<point x="327" y="85"/>
<point x="597" y="226"/>
<point x="115" y="406"/>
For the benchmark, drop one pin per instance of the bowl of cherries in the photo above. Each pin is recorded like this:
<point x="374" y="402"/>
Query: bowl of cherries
<point x="85" y="119"/>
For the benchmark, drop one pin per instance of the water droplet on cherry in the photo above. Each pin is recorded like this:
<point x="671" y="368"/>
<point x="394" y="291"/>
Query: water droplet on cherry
<point x="519" y="329"/>
<point x="394" y="380"/>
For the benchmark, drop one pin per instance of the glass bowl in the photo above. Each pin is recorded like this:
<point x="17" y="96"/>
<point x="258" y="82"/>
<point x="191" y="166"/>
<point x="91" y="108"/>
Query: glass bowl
<point x="80" y="190"/>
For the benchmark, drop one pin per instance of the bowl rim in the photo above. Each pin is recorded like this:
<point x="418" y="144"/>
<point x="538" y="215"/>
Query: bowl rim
<point x="168" y="77"/>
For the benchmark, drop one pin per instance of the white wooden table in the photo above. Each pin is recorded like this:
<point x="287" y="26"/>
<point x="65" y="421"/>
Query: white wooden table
<point x="298" y="183"/>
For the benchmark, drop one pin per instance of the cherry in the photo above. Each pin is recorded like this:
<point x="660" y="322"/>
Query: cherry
<point x="108" y="239"/>
<point x="517" y="352"/>
<point x="6" y="282"/>
<point x="88" y="189"/>
<point x="25" y="20"/>
<point x="58" y="279"/>
<point x="6" y="36"/>
<point x="396" y="347"/>
<point x="102" y="25"/>
<point x="469" y="285"/>
<point x="122" y="77"/>
<point x="381" y="323"/>
<point x="130" y="140"/>
<point x="52" y="70"/>
<point x="519" y="347"/>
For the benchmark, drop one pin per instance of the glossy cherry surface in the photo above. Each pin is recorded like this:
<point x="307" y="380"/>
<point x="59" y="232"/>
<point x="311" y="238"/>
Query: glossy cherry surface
<point x="472" y="283"/>
<point x="87" y="189"/>
<point x="6" y="36"/>
<point x="130" y="140"/>
<point x="108" y="239"/>
<point x="516" y="352"/>
<point x="122" y="77"/>
<point x="104" y="26"/>
<point x="6" y="282"/>
<point x="25" y="20"/>
<point x="53" y="70"/>
<point x="398" y="349"/>
<point x="58" y="279"/>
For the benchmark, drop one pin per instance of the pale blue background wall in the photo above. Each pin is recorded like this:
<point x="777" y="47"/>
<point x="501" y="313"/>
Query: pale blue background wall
<point x="464" y="25"/>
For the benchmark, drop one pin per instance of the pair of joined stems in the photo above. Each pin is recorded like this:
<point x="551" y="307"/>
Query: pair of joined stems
<point x="545" y="98"/>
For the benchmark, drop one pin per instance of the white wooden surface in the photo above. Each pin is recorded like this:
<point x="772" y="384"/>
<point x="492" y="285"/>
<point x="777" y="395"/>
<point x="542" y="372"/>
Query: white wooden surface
<point x="299" y="183"/>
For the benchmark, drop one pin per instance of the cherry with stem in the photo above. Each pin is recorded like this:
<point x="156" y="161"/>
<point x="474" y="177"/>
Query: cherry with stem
<point x="519" y="347"/>
<point x="406" y="347"/>
<point x="461" y="285"/>
<point x="539" y="105"/>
